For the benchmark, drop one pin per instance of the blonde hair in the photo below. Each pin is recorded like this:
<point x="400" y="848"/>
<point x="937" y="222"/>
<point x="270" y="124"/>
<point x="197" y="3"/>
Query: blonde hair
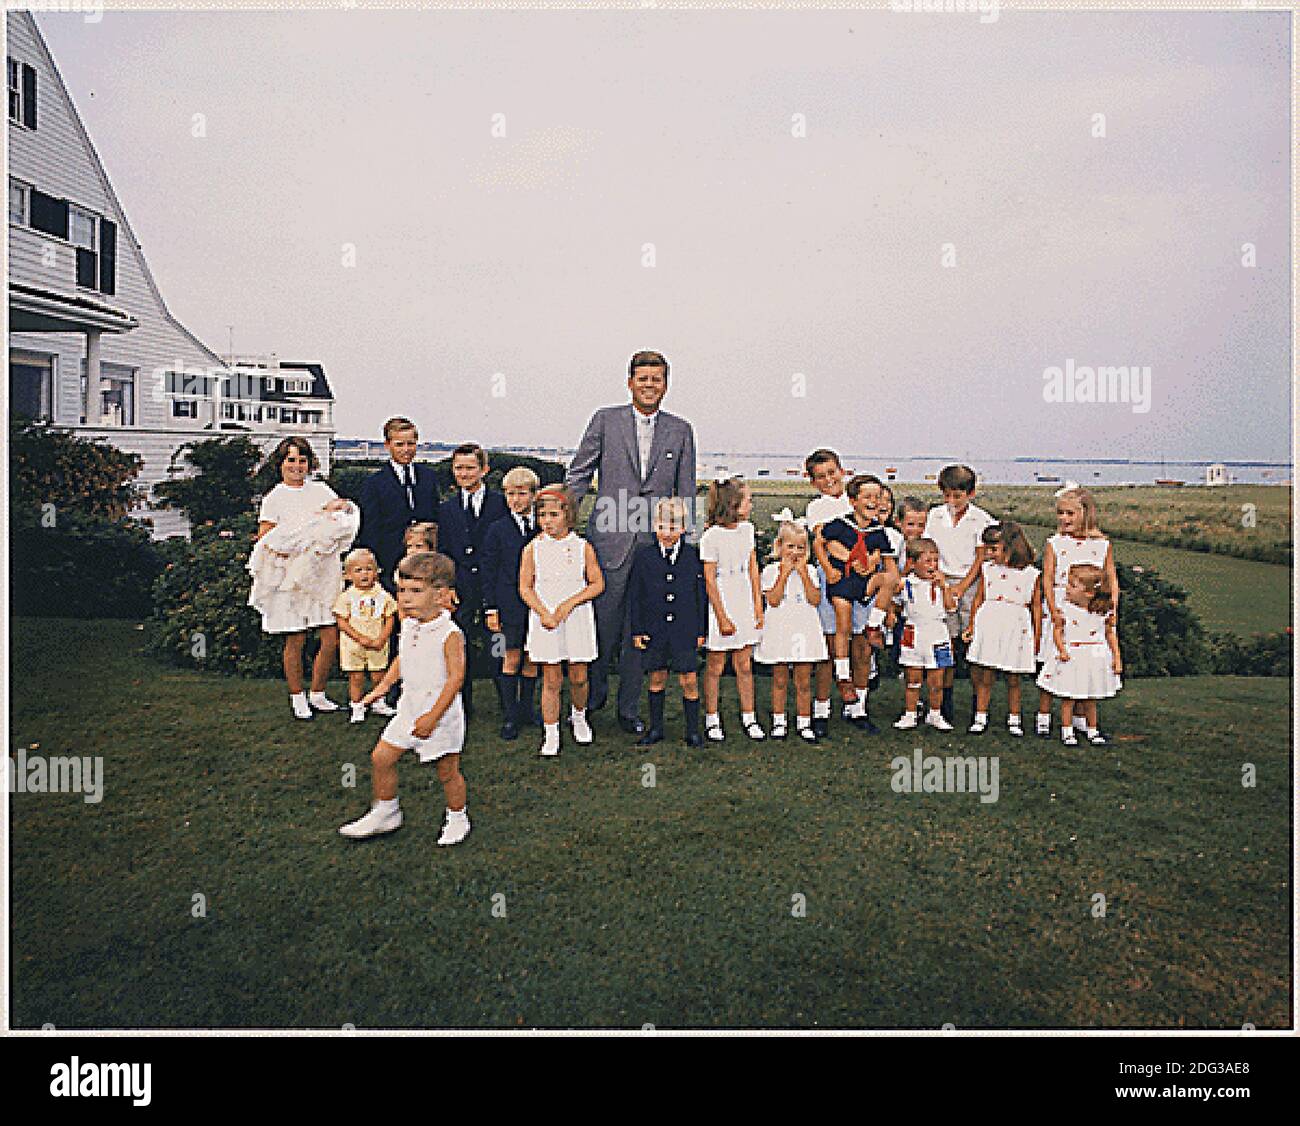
<point x="788" y="530"/>
<point x="359" y="555"/>
<point x="671" y="510"/>
<point x="1087" y="506"/>
<point x="521" y="475"/>
<point x="1095" y="581"/>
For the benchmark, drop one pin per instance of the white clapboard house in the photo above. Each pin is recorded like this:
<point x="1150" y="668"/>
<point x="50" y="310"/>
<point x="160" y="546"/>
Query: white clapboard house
<point x="92" y="346"/>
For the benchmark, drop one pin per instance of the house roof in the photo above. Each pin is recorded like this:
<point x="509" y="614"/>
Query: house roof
<point x="320" y="387"/>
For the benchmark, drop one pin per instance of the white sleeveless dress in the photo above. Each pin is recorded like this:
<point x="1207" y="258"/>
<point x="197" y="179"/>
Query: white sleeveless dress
<point x="1089" y="674"/>
<point x="730" y="549"/>
<point x="1004" y="628"/>
<point x="792" y="631"/>
<point x="560" y="569"/>
<point x="1069" y="550"/>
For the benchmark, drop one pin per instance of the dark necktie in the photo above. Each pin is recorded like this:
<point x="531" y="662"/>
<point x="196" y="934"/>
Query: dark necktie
<point x="470" y="515"/>
<point x="409" y="474"/>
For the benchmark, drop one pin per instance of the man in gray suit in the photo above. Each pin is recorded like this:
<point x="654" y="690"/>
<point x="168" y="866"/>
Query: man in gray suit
<point x="638" y="454"/>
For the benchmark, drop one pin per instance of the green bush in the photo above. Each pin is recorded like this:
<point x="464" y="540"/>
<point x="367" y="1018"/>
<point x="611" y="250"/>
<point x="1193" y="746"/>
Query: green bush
<point x="222" y="484"/>
<point x="1267" y="654"/>
<point x="74" y="551"/>
<point x="51" y="467"/>
<point x="1158" y="634"/>
<point x="84" y="566"/>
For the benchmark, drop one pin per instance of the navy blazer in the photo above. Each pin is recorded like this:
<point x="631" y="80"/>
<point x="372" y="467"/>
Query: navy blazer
<point x="669" y="603"/>
<point x="503" y="547"/>
<point x="386" y="513"/>
<point x="464" y="544"/>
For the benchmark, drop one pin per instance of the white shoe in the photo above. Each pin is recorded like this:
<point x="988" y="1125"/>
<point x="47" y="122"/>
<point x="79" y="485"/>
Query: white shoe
<point x="551" y="745"/>
<point x="906" y="721"/>
<point x="373" y="823"/>
<point x="358" y="713"/>
<point x="383" y="707"/>
<point x="322" y="703"/>
<point x="301" y="709"/>
<point x="713" y="731"/>
<point x="979" y="725"/>
<point x="456" y="829"/>
<point x="581" y="728"/>
<point x="935" y="719"/>
<point x="1014" y="728"/>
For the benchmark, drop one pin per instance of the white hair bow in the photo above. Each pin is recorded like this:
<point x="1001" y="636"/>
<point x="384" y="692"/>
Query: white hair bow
<point x="724" y="478"/>
<point x="1069" y="486"/>
<point x="786" y="516"/>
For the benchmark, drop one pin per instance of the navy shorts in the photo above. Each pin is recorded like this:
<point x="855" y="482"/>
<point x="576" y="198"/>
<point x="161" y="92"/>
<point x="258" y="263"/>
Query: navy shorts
<point x="664" y="655"/>
<point x="513" y="633"/>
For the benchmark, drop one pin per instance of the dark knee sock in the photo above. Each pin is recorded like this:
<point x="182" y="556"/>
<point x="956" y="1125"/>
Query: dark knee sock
<point x="692" y="710"/>
<point x="657" y="709"/>
<point x="508" y="694"/>
<point x="528" y="699"/>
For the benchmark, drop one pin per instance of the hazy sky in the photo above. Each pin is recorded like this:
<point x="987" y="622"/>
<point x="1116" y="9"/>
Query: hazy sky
<point x="821" y="255"/>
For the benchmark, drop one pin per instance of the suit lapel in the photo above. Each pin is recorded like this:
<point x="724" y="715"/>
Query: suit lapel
<point x="628" y="416"/>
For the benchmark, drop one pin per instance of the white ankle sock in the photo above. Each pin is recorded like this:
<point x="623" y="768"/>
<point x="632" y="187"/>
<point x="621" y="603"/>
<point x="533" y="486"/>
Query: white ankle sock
<point x="386" y="805"/>
<point x="747" y="718"/>
<point x="712" y="719"/>
<point x="981" y="717"/>
<point x="842" y="669"/>
<point x="802" y="721"/>
<point x="875" y="617"/>
<point x="821" y="709"/>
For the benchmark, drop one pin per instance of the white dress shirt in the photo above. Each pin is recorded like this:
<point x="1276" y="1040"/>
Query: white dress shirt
<point x="645" y="436"/>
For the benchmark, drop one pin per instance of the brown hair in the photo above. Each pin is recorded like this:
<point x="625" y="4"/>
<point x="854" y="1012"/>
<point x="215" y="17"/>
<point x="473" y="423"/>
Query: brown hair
<point x="1101" y="597"/>
<point x="1020" y="552"/>
<point x="647" y="360"/>
<point x="562" y="497"/>
<point x="959" y="477"/>
<point x="912" y="504"/>
<point x="471" y="449"/>
<point x="425" y="532"/>
<point x="303" y="446"/>
<point x="919" y="547"/>
<point x="396" y="425"/>
<point x="820" y="457"/>
<point x="724" y="501"/>
<point x="430" y="567"/>
<point x="860" y="482"/>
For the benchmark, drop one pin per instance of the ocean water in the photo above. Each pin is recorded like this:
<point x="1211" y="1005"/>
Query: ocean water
<point x="1018" y="471"/>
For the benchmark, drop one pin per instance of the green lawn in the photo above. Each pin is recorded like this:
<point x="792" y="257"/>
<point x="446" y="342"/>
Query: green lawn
<point x="627" y="905"/>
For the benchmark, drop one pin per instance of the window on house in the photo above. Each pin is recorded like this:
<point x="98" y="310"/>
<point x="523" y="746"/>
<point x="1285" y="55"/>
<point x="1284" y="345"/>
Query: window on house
<point x="19" y="202"/>
<point x="31" y="386"/>
<point x="185" y="408"/>
<point x="22" y="93"/>
<point x="82" y="230"/>
<point x="115" y="402"/>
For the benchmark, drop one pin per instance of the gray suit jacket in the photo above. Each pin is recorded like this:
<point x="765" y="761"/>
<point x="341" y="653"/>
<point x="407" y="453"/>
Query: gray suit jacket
<point x="609" y="448"/>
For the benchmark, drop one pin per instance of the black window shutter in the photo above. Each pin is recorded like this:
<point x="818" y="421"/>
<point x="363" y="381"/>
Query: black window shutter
<point x="49" y="214"/>
<point x="107" y="256"/>
<point x="29" y="96"/>
<point x="86" y="267"/>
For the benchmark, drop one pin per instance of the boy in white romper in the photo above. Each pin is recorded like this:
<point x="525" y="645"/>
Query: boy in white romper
<point x="430" y="718"/>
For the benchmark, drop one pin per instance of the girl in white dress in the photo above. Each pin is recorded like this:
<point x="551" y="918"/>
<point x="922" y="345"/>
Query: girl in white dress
<point x="1085" y="665"/>
<point x="294" y="501"/>
<point x="926" y="650"/>
<point x="1078" y="539"/>
<point x="1006" y="617"/>
<point x="735" y="602"/>
<point x="558" y="578"/>
<point x="792" y="631"/>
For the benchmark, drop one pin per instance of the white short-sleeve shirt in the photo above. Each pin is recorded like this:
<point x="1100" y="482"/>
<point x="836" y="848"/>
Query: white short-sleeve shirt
<point x="825" y="508"/>
<point x="957" y="543"/>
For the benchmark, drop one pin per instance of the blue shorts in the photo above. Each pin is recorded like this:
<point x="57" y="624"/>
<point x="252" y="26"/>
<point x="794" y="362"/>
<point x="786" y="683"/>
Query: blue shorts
<point x="826" y="609"/>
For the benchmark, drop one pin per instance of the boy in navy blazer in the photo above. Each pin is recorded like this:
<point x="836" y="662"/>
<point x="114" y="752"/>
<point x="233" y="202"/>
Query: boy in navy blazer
<point x="393" y="498"/>
<point x="463" y="521"/>
<point x="504" y="611"/>
<point x="670" y="616"/>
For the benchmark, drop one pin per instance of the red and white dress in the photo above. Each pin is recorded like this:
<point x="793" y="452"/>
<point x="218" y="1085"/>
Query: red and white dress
<point x="1003" y="627"/>
<point x="1068" y="550"/>
<point x="1089" y="674"/>
<point x="927" y="623"/>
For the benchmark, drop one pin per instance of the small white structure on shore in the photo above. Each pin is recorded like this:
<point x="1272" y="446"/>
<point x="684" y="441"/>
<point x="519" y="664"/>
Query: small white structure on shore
<point x="1216" y="475"/>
